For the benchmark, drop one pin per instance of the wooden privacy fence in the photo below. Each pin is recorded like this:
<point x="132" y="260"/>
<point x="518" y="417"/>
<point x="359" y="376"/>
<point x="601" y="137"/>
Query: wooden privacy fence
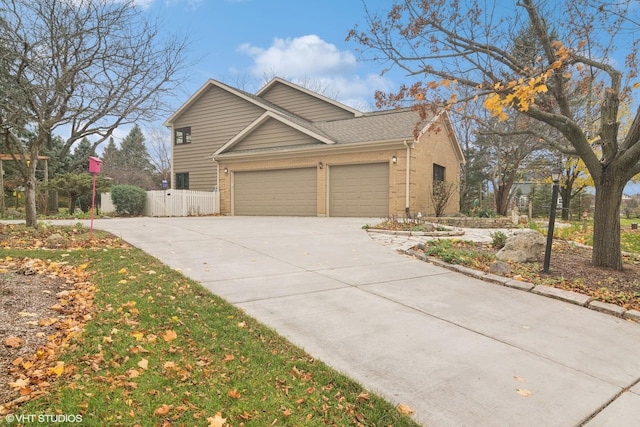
<point x="173" y="203"/>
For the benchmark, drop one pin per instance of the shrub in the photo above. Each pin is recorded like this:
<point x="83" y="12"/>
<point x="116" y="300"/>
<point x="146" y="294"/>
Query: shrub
<point x="498" y="239"/>
<point x="128" y="199"/>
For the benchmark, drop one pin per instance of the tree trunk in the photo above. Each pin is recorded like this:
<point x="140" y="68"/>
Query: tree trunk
<point x="31" y="215"/>
<point x="606" y="223"/>
<point x="502" y="199"/>
<point x="565" y="193"/>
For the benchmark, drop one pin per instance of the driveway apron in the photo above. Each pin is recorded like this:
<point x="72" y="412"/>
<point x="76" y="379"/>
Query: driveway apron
<point x="457" y="350"/>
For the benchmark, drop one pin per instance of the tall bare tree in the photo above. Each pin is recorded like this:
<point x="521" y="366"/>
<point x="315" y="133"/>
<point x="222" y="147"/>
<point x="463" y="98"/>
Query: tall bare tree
<point x="449" y="44"/>
<point x="82" y="68"/>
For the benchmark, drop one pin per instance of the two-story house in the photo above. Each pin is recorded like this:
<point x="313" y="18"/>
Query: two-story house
<point x="289" y="151"/>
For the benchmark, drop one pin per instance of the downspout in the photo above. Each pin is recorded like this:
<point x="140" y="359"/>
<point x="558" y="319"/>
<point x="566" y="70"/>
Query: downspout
<point x="407" y="210"/>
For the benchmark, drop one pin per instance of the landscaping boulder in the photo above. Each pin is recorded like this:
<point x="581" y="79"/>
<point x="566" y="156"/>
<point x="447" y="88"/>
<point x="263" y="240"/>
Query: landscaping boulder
<point x="523" y="247"/>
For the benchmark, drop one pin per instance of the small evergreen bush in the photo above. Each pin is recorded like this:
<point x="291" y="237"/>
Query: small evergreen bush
<point x="498" y="239"/>
<point x="128" y="199"/>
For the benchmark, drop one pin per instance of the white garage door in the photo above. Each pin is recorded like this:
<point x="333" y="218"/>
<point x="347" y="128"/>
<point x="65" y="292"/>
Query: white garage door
<point x="286" y="192"/>
<point x="359" y="190"/>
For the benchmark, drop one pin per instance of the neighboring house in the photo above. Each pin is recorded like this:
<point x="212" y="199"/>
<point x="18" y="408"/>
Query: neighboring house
<point x="289" y="151"/>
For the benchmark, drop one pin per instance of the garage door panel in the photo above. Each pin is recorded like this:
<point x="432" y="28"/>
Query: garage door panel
<point x="359" y="190"/>
<point x="289" y="192"/>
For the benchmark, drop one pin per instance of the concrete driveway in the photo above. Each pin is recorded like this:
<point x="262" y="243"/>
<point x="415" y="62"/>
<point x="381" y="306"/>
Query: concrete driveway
<point x="459" y="351"/>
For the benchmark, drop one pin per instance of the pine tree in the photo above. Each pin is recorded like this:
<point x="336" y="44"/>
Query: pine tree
<point x="133" y="152"/>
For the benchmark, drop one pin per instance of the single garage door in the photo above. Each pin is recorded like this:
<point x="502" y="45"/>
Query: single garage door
<point x="359" y="190"/>
<point x="286" y="192"/>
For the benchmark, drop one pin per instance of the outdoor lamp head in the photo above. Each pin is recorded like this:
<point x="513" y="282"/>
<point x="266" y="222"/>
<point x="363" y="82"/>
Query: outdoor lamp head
<point x="556" y="173"/>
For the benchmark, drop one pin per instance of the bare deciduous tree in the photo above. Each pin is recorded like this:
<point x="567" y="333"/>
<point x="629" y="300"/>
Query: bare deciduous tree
<point x="446" y="44"/>
<point x="82" y="67"/>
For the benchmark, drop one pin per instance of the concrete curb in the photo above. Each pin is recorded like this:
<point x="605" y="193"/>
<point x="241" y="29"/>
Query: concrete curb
<point x="543" y="290"/>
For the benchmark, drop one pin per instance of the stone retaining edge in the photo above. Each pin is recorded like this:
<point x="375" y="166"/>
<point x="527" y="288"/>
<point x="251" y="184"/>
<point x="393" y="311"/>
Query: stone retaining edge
<point x="542" y="290"/>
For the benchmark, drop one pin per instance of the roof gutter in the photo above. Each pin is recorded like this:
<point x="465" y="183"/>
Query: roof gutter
<point x="297" y="152"/>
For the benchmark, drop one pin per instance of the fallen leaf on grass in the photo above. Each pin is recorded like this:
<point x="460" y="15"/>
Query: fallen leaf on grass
<point x="362" y="397"/>
<point x="405" y="409"/>
<point x="144" y="363"/>
<point x="216" y="421"/>
<point x="234" y="394"/>
<point x="169" y="335"/>
<point x="57" y="370"/>
<point x="163" y="410"/>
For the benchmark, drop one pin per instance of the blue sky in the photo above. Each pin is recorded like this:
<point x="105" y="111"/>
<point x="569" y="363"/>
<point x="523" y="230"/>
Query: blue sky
<point x="246" y="42"/>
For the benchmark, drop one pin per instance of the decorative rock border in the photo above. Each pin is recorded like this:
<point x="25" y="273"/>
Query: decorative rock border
<point x="448" y="233"/>
<point x="548" y="291"/>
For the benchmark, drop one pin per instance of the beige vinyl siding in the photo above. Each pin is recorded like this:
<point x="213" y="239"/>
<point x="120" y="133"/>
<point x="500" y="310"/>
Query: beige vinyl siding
<point x="359" y="190"/>
<point x="273" y="134"/>
<point x="214" y="118"/>
<point x="286" y="192"/>
<point x="304" y="105"/>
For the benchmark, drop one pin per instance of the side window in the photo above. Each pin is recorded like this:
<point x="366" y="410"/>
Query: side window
<point x="438" y="173"/>
<point x="183" y="136"/>
<point x="182" y="181"/>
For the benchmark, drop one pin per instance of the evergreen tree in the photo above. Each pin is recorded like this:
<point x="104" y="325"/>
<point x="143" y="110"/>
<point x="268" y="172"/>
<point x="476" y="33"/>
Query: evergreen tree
<point x="133" y="152"/>
<point x="130" y="164"/>
<point x="110" y="158"/>
<point x="80" y="156"/>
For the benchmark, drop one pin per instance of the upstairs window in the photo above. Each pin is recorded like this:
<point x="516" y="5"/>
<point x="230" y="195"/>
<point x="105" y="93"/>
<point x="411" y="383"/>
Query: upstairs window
<point x="182" y="181"/>
<point x="183" y="136"/>
<point x="438" y="173"/>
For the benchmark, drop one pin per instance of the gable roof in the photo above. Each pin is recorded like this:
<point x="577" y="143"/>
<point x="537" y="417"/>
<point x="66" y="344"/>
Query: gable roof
<point x="302" y="127"/>
<point x="369" y="127"/>
<point x="279" y="81"/>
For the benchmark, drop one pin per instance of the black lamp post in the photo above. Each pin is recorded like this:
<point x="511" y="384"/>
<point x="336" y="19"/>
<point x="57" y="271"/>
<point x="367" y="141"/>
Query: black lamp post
<point x="555" y="176"/>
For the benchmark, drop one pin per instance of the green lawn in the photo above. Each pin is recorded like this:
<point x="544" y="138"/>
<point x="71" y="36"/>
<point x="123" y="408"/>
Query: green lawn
<point x="161" y="350"/>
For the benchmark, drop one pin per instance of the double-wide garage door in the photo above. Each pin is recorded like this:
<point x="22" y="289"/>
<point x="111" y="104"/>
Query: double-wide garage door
<point x="354" y="190"/>
<point x="285" y="192"/>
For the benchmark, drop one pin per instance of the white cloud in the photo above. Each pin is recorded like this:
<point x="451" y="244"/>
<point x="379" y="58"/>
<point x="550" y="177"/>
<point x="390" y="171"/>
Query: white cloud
<point x="311" y="61"/>
<point x="306" y="55"/>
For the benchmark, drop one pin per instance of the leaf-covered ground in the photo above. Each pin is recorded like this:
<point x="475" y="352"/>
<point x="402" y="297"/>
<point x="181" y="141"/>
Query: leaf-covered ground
<point x="96" y="329"/>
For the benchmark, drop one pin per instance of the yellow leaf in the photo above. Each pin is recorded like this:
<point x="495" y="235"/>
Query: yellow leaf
<point x="405" y="409"/>
<point x="57" y="370"/>
<point x="217" y="421"/>
<point x="519" y="379"/>
<point x="144" y="363"/>
<point x="123" y="271"/>
<point x="169" y="335"/>
<point x="234" y="394"/>
<point x="636" y="85"/>
<point x="169" y="365"/>
<point x="122" y="282"/>
<point x="138" y="336"/>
